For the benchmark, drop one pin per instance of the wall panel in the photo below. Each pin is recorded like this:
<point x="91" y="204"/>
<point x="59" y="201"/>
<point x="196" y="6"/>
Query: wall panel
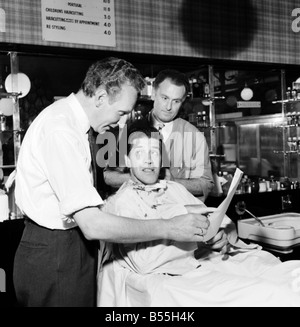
<point x="247" y="30"/>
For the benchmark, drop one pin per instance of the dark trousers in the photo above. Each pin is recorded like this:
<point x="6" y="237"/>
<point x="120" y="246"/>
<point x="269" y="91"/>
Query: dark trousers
<point x="55" y="268"/>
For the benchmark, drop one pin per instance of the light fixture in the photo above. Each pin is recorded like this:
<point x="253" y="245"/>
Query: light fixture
<point x="246" y="93"/>
<point x="23" y="84"/>
<point x="206" y="101"/>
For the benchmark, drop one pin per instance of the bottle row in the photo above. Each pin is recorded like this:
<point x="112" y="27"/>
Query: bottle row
<point x="294" y="143"/>
<point x="200" y="120"/>
<point x="293" y="118"/>
<point x="293" y="93"/>
<point x="258" y="185"/>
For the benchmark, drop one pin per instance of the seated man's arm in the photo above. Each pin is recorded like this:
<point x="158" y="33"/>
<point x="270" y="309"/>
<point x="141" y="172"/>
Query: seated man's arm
<point x="200" y="186"/>
<point x="197" y="179"/>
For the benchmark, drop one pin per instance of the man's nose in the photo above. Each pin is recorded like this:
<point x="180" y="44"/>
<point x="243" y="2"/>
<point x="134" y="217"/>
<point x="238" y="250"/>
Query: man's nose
<point x="169" y="105"/>
<point x="149" y="159"/>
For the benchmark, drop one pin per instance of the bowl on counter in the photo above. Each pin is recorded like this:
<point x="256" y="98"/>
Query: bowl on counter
<point x="281" y="231"/>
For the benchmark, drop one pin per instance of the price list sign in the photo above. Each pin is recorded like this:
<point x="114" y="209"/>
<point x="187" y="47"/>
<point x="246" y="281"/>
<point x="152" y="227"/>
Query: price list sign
<point x="81" y="21"/>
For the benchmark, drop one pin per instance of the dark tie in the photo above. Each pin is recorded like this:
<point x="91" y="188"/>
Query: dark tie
<point x="160" y="126"/>
<point x="92" y="142"/>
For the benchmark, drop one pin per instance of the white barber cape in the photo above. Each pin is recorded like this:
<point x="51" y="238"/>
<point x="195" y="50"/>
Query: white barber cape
<point x="165" y="273"/>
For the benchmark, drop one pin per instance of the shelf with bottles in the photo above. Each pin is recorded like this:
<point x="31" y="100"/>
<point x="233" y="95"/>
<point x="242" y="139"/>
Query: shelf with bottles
<point x="290" y="120"/>
<point x="292" y="94"/>
<point x="292" y="134"/>
<point x="288" y="101"/>
<point x="201" y="120"/>
<point x="250" y="185"/>
<point x="293" y="143"/>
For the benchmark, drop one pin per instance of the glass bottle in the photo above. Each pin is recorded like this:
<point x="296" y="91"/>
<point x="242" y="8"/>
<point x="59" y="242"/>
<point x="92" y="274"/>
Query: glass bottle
<point x="204" y="119"/>
<point x="273" y="184"/>
<point x="254" y="185"/>
<point x="247" y="181"/>
<point x="226" y="186"/>
<point x="199" y="120"/>
<point x="287" y="183"/>
<point x="262" y="185"/>
<point x="289" y="93"/>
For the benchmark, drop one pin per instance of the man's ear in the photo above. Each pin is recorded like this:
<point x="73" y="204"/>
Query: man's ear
<point x="100" y="96"/>
<point x="127" y="161"/>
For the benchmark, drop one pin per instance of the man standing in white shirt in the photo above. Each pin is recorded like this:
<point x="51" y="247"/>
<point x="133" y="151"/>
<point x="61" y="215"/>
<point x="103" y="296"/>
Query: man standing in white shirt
<point x="55" y="262"/>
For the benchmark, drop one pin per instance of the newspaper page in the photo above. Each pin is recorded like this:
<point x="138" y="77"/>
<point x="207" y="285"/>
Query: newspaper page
<point x="217" y="216"/>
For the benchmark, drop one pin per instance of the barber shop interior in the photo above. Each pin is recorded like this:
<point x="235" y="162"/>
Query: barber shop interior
<point x="218" y="224"/>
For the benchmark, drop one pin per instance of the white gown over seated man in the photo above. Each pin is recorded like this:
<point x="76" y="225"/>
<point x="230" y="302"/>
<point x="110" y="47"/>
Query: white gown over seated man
<point x="164" y="273"/>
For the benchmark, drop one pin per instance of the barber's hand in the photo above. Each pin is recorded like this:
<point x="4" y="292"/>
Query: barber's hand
<point x="220" y="243"/>
<point x="190" y="227"/>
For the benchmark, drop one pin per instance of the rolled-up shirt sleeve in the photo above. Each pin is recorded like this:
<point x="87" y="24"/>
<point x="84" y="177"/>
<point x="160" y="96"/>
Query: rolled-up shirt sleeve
<point x="203" y="169"/>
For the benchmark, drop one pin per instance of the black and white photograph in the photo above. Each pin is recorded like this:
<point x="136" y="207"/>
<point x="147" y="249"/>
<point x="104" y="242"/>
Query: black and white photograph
<point x="149" y="156"/>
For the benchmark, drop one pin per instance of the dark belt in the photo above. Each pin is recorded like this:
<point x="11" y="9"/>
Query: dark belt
<point x="32" y="222"/>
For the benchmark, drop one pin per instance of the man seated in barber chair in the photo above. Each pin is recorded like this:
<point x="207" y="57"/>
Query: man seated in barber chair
<point x="223" y="271"/>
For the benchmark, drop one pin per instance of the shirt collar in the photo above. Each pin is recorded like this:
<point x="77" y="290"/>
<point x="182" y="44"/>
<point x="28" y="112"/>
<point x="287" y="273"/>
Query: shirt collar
<point x="79" y="113"/>
<point x="168" y="126"/>
<point x="160" y="185"/>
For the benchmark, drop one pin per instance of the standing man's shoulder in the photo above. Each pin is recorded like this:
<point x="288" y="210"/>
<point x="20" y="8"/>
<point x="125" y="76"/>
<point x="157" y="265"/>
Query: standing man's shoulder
<point x="185" y="125"/>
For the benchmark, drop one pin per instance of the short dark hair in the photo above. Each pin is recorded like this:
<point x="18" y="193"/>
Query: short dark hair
<point x="178" y="78"/>
<point x="143" y="127"/>
<point x="111" y="73"/>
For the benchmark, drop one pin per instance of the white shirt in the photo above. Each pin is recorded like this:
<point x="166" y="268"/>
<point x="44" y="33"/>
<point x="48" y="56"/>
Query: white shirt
<point x="54" y="177"/>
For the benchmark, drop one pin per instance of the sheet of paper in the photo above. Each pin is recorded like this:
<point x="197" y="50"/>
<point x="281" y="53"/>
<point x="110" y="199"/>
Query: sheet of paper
<point x="217" y="216"/>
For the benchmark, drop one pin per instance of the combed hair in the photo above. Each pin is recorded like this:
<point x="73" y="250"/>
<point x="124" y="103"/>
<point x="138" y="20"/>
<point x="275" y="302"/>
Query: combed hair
<point x="111" y="73"/>
<point x="142" y="127"/>
<point x="175" y="76"/>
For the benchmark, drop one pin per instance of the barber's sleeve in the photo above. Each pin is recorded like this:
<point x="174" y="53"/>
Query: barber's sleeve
<point x="202" y="164"/>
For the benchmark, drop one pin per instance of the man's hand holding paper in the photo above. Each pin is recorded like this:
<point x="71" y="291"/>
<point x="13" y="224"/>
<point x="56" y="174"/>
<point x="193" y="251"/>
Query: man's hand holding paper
<point x="216" y="218"/>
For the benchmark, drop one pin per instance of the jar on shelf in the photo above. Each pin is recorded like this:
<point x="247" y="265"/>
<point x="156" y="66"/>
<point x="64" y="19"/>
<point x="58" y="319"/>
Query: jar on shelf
<point x="2" y="123"/>
<point x="262" y="185"/>
<point x="285" y="183"/>
<point x="204" y="119"/>
<point x="273" y="184"/>
<point x="199" y="120"/>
